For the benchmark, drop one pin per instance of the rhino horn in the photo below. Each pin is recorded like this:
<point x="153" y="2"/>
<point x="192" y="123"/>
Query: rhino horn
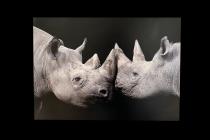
<point x="121" y="57"/>
<point x="109" y="65"/>
<point x="81" y="47"/>
<point x="93" y="62"/>
<point x="137" y="53"/>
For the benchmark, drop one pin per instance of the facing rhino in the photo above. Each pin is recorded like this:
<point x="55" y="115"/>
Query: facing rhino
<point x="140" y="78"/>
<point x="59" y="70"/>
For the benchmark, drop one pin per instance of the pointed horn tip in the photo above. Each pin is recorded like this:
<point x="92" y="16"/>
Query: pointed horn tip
<point x="95" y="55"/>
<point x="164" y="38"/>
<point x="136" y="41"/>
<point x="116" y="46"/>
<point x="85" y="41"/>
<point x="136" y="44"/>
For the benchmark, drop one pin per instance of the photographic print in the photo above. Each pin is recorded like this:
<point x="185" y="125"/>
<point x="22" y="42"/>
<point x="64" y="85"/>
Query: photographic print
<point x="107" y="68"/>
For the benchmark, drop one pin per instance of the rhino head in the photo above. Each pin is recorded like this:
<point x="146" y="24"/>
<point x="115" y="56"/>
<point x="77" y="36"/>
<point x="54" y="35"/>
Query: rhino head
<point x="80" y="83"/>
<point x="140" y="78"/>
<point x="74" y="82"/>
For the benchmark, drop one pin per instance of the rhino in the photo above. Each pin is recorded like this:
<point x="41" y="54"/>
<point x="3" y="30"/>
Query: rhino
<point x="140" y="79"/>
<point x="59" y="70"/>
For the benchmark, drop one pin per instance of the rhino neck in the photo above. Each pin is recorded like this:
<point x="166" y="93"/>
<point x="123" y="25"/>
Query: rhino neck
<point x="159" y="79"/>
<point x="41" y="84"/>
<point x="174" y="67"/>
<point x="41" y="40"/>
<point x="166" y="70"/>
<point x="176" y="76"/>
<point x="169" y="76"/>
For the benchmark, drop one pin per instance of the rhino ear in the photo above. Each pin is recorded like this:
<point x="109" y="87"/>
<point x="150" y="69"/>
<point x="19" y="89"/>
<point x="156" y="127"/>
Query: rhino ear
<point x="120" y="56"/>
<point x="109" y="65"/>
<point x="137" y="53"/>
<point x="93" y="62"/>
<point x="81" y="47"/>
<point x="53" y="46"/>
<point x="164" y="46"/>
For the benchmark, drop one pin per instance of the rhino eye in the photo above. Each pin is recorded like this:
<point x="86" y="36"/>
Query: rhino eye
<point x="135" y="74"/>
<point x="77" y="79"/>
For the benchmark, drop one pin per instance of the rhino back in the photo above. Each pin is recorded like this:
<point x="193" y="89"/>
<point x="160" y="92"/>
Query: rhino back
<point x="173" y="66"/>
<point x="176" y="79"/>
<point x="40" y="39"/>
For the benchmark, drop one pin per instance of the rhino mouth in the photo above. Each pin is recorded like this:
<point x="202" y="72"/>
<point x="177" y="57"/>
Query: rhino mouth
<point x="101" y="96"/>
<point x="96" y="97"/>
<point x="127" y="91"/>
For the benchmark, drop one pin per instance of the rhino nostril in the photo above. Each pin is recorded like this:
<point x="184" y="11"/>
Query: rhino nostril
<point x="103" y="91"/>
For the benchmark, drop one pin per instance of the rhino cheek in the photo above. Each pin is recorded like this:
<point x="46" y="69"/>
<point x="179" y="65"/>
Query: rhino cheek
<point x="127" y="86"/>
<point x="63" y="92"/>
<point x="60" y="85"/>
<point x="78" y="100"/>
<point x="71" y="96"/>
<point x="122" y="84"/>
<point x="147" y="88"/>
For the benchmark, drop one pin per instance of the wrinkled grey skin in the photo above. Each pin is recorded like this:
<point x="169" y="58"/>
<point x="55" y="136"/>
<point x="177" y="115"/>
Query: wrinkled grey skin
<point x="59" y="70"/>
<point x="140" y="78"/>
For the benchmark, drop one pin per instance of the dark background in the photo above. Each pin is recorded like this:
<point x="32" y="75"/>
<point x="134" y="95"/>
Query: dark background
<point x="102" y="33"/>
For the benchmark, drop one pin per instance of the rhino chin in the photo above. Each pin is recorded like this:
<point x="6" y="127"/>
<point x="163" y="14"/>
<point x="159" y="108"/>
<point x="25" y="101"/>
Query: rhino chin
<point x="91" y="99"/>
<point x="127" y="91"/>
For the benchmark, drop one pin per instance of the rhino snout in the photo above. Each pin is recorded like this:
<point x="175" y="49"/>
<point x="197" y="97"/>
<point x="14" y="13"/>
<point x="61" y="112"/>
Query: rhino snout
<point x="116" y="82"/>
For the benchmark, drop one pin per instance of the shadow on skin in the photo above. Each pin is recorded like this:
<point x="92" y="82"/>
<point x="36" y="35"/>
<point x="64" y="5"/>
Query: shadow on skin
<point x="54" y="109"/>
<point x="161" y="107"/>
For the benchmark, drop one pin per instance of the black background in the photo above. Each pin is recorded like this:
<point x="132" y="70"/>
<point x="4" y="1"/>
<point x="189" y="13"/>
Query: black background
<point x="102" y="33"/>
<point x="17" y="39"/>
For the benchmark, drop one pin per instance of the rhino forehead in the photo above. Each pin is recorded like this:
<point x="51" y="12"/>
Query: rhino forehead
<point x="123" y="72"/>
<point x="92" y="75"/>
<point x="143" y="66"/>
<point x="139" y="67"/>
